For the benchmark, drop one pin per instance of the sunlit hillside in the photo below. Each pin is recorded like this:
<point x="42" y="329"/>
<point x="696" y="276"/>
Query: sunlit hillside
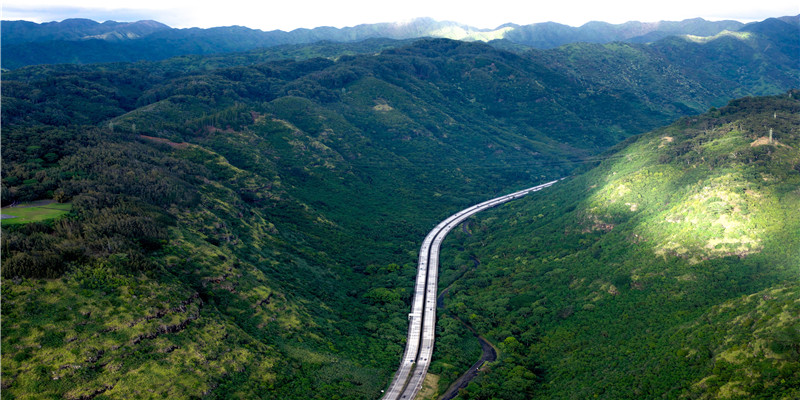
<point x="669" y="271"/>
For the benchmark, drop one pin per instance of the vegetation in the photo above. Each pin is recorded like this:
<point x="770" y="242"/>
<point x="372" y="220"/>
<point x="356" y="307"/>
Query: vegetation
<point x="23" y="214"/>
<point x="670" y="270"/>
<point x="245" y="228"/>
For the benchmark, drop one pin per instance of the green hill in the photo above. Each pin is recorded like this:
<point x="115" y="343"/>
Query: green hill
<point x="669" y="271"/>
<point x="242" y="228"/>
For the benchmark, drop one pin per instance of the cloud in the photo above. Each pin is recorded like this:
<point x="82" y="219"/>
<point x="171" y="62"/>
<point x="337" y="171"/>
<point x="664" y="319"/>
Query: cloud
<point x="49" y="14"/>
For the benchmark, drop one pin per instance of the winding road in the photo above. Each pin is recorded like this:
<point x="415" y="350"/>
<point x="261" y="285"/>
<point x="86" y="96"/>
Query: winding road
<point x="422" y="319"/>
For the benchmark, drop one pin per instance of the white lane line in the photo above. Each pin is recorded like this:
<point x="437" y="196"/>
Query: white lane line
<point x="422" y="324"/>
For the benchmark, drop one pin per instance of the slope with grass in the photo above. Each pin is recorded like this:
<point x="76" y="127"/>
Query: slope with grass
<point x="670" y="270"/>
<point x="34" y="212"/>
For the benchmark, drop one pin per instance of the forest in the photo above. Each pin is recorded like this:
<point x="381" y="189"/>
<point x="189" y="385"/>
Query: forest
<point x="245" y="227"/>
<point x="669" y="270"/>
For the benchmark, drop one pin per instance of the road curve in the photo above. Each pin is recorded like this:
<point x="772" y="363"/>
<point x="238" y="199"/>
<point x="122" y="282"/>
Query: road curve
<point x="422" y="319"/>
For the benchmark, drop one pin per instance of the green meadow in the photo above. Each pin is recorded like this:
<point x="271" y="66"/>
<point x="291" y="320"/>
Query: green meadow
<point x="23" y="214"/>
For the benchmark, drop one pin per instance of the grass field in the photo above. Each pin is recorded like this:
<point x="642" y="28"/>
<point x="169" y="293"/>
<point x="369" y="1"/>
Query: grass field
<point x="25" y="213"/>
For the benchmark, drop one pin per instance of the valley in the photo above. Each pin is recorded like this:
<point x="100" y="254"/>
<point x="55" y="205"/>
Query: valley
<point x="248" y="225"/>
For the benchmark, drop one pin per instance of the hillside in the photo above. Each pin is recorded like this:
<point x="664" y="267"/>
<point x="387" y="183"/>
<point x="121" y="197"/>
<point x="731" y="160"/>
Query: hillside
<point x="673" y="73"/>
<point x="248" y="228"/>
<point x="83" y="41"/>
<point x="669" y="271"/>
<point x="243" y="232"/>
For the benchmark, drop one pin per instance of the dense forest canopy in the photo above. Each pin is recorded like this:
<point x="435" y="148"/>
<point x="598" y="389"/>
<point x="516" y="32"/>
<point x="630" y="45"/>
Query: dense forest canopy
<point x="242" y="226"/>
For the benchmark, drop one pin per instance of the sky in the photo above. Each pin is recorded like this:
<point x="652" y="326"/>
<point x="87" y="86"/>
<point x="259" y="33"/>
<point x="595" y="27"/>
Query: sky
<point x="291" y="14"/>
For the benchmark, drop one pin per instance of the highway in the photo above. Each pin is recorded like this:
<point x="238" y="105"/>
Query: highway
<point x="416" y="359"/>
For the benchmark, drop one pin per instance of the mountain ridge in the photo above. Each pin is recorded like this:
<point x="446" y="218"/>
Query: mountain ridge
<point x="15" y="32"/>
<point x="27" y="43"/>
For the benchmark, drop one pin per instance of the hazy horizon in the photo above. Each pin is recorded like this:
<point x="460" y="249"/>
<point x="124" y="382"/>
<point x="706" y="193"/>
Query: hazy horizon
<point x="348" y="13"/>
<point x="100" y="21"/>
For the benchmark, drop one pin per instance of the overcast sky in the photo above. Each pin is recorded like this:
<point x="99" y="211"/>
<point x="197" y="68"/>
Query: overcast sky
<point x="292" y="14"/>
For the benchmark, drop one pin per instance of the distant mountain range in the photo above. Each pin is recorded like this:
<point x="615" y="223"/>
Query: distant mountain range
<point x="16" y="32"/>
<point x="84" y="41"/>
<point x="246" y="225"/>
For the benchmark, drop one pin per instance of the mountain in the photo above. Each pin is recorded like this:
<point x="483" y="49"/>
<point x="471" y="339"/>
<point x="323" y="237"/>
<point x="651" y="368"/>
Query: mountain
<point x="84" y="41"/>
<point x="783" y="29"/>
<point x="707" y="65"/>
<point x="76" y="29"/>
<point x="46" y="47"/>
<point x="247" y="227"/>
<point x="549" y="35"/>
<point x="668" y="271"/>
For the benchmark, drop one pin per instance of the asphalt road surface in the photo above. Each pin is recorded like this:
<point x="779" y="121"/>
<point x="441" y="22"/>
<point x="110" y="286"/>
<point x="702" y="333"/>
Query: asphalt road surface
<point x="422" y="319"/>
